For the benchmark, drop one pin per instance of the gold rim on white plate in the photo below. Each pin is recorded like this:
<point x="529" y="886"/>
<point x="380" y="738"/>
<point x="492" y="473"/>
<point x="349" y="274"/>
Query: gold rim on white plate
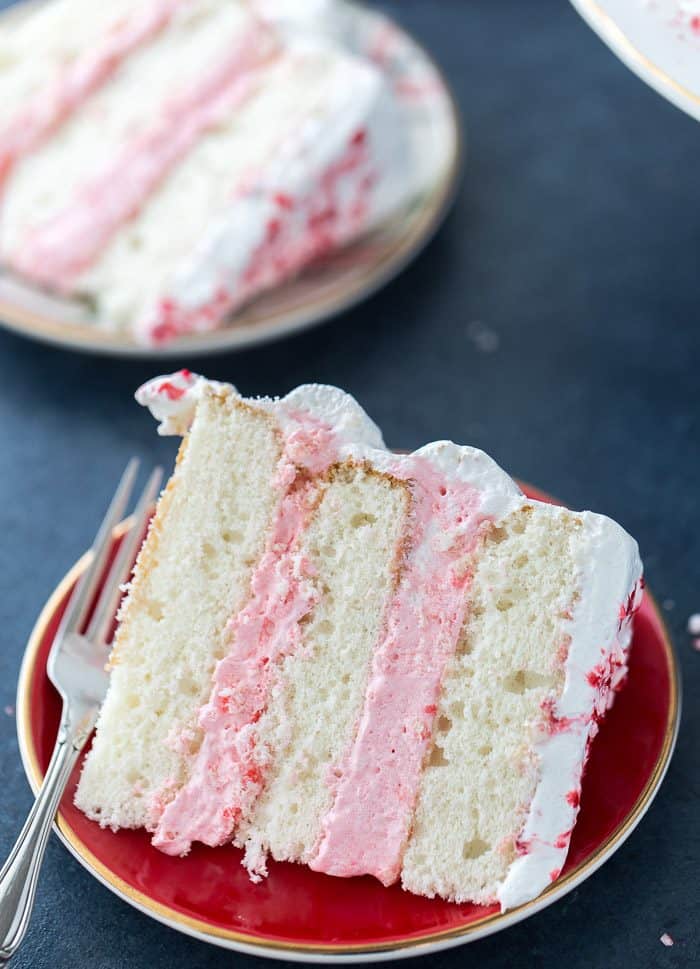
<point x="612" y="33"/>
<point x="321" y="292"/>
<point x="250" y="944"/>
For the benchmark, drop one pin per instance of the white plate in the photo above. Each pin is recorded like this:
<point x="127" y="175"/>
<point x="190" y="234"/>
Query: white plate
<point x="323" y="290"/>
<point x="658" y="39"/>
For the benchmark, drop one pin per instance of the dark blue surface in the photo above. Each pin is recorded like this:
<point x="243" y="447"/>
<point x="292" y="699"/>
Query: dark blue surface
<point x="576" y="241"/>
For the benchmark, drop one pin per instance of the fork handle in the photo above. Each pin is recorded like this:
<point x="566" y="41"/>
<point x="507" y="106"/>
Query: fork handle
<point x="20" y="873"/>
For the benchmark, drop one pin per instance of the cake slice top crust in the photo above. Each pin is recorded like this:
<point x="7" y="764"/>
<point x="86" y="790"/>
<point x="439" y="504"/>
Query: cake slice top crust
<point x="173" y="400"/>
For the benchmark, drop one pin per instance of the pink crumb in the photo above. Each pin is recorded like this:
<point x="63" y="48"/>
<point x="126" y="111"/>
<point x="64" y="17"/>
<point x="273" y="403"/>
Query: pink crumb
<point x="696" y="645"/>
<point x="9" y="710"/>
<point x="284" y="201"/>
<point x="522" y="846"/>
<point x="563" y="649"/>
<point x="171" y="391"/>
<point x="552" y="723"/>
<point x="563" y="839"/>
<point x="666" y="939"/>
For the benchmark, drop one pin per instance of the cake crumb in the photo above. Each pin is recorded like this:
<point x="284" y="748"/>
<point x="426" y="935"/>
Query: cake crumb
<point x="9" y="710"/>
<point x="666" y="939"/>
<point x="668" y="604"/>
<point x="696" y="644"/>
<point x="483" y="337"/>
<point x="694" y="624"/>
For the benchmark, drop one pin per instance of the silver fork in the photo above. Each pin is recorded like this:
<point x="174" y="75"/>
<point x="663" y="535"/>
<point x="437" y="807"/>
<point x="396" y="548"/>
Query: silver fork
<point x="76" y="667"/>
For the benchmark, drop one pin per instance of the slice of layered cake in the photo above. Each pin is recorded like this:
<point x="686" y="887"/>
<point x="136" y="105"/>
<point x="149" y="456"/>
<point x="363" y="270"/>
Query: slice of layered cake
<point x="166" y="161"/>
<point x="367" y="662"/>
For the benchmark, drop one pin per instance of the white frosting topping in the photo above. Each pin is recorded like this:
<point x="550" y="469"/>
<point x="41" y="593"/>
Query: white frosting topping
<point x="610" y="570"/>
<point x="172" y="399"/>
<point x="334" y="407"/>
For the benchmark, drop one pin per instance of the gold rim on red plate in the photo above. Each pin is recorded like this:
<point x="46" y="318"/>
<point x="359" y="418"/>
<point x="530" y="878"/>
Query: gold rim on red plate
<point x="357" y="952"/>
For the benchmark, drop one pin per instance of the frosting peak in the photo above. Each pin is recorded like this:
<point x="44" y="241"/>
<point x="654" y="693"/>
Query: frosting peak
<point x="172" y="399"/>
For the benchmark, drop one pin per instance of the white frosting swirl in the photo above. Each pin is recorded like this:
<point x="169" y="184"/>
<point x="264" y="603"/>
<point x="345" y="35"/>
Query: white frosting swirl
<point x="172" y="399"/>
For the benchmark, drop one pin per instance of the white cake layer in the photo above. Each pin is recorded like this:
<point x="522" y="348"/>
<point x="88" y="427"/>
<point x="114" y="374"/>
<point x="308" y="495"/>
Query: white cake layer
<point x="520" y="705"/>
<point x="482" y="772"/>
<point x="43" y="184"/>
<point x="352" y="542"/>
<point x="193" y="573"/>
<point x="544" y="615"/>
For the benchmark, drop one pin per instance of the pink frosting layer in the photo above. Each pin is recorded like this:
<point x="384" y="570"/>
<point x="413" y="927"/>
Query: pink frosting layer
<point x="53" y="104"/>
<point x="376" y="782"/>
<point x="66" y="244"/>
<point x="229" y="769"/>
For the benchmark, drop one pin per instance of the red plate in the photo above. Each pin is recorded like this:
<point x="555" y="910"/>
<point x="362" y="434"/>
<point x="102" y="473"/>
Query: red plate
<point x="299" y="914"/>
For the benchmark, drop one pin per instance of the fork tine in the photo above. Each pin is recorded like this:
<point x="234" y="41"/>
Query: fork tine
<point x="106" y="607"/>
<point x="76" y="611"/>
